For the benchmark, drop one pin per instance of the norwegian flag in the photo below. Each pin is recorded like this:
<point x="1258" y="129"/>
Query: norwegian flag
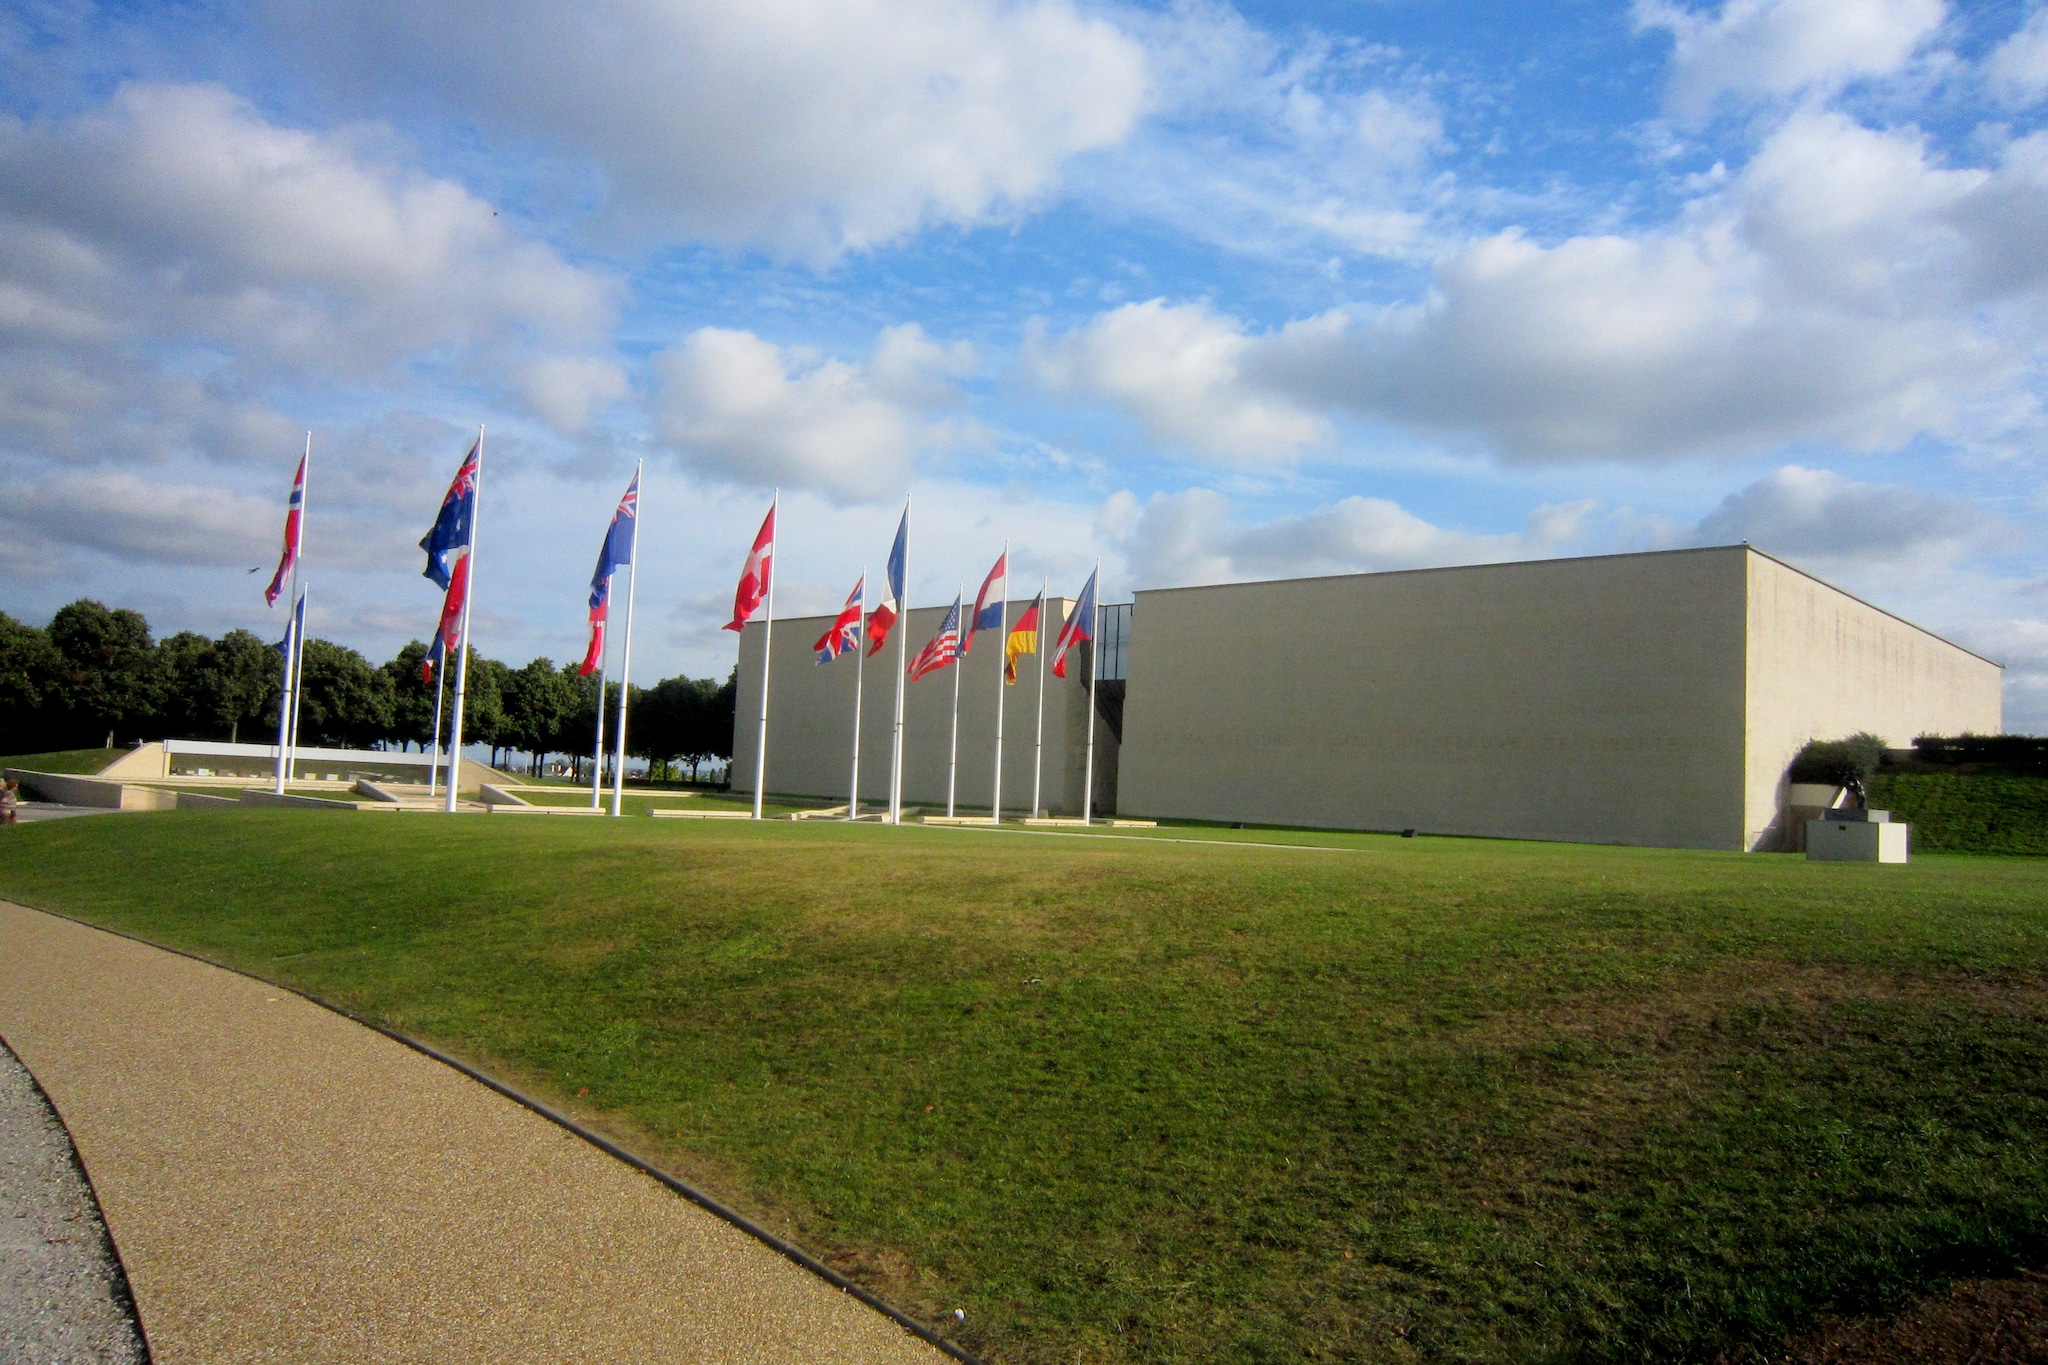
<point x="844" y="635"/>
<point x="943" y="649"/>
<point x="883" y="618"/>
<point x="617" y="549"/>
<point x="753" y="587"/>
<point x="285" y="565"/>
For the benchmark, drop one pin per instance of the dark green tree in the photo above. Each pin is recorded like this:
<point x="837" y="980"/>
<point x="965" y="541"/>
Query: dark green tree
<point x="412" y="696"/>
<point x="345" y="703"/>
<point x="246" y="679"/>
<point x="107" y="691"/>
<point x="31" y="682"/>
<point x="537" y="699"/>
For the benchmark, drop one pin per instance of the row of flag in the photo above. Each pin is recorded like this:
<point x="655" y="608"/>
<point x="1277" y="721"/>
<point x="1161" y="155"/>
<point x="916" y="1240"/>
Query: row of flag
<point x="450" y="546"/>
<point x="954" y="639"/>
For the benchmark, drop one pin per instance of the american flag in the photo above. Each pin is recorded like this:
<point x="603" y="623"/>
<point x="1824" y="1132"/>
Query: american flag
<point x="943" y="649"/>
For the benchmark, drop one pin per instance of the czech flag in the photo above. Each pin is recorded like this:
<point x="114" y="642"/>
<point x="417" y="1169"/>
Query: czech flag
<point x="290" y="560"/>
<point x="943" y="649"/>
<point x="1023" y="638"/>
<point x="753" y="588"/>
<point x="884" y="616"/>
<point x="844" y="635"/>
<point x="988" y="603"/>
<point x="616" y="550"/>
<point x="1080" y="626"/>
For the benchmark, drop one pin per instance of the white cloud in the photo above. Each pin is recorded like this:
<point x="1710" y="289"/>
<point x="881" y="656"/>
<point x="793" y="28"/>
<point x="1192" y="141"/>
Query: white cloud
<point x="566" y="391"/>
<point x="1843" y="288"/>
<point x="1815" y="513"/>
<point x="1181" y="371"/>
<point x="168" y="257"/>
<point x="1176" y="539"/>
<point x="746" y="410"/>
<point x="1764" y="48"/>
<point x="144" y="520"/>
<point x="808" y="126"/>
<point x="2018" y="68"/>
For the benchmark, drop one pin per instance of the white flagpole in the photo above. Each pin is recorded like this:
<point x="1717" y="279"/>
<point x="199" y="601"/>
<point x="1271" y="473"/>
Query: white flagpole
<point x="468" y="601"/>
<point x="860" y="654"/>
<point x="902" y="667"/>
<point x="1002" y="648"/>
<point x="440" y="690"/>
<point x="767" y="657"/>
<point x="287" y="733"/>
<point x="284" y="691"/>
<point x="626" y="667"/>
<point x="1038" y="745"/>
<point x="959" y="666"/>
<point x="1094" y="668"/>
<point x="298" y="676"/>
<point x="597" y="747"/>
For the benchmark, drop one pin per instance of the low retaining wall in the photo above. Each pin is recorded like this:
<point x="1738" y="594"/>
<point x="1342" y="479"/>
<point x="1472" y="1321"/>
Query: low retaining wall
<point x="72" y="790"/>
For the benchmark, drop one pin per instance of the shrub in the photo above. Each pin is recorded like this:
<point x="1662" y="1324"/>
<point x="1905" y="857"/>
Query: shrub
<point x="2021" y="753"/>
<point x="1838" y="762"/>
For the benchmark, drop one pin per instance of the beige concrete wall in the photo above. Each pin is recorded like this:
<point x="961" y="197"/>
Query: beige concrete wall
<point x="1596" y="699"/>
<point x="1822" y="665"/>
<point x="810" y="720"/>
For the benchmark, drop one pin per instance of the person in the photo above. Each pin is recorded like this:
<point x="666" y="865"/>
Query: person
<point x="10" y="801"/>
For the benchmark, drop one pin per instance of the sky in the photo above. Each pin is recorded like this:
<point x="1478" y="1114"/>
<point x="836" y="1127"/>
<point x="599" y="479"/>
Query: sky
<point x="1207" y="293"/>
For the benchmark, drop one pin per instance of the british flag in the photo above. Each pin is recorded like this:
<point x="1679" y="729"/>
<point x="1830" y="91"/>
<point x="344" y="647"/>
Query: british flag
<point x="844" y="635"/>
<point x="616" y="550"/>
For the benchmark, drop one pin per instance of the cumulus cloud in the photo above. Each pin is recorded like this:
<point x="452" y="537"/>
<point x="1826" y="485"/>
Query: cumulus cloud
<point x="167" y="257"/>
<point x="566" y="391"/>
<point x="1176" y="539"/>
<point x="1182" y="372"/>
<point x="1843" y="288"/>
<point x="2018" y="68"/>
<point x="810" y="127"/>
<point x="1797" y="512"/>
<point x="748" y="411"/>
<point x="144" y="521"/>
<point x="1753" y="48"/>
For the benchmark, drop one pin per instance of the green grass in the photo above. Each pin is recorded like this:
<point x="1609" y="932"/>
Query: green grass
<point x="1127" y="1099"/>
<point x="82" y="761"/>
<point x="1968" y="812"/>
<point x="639" y="803"/>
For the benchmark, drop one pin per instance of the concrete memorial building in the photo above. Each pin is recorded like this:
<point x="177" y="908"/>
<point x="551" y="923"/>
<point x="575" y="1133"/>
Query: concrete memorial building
<point x="1652" y="699"/>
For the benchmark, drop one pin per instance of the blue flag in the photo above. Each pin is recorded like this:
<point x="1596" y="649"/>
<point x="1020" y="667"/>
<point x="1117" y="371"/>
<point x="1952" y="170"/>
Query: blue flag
<point x="453" y="529"/>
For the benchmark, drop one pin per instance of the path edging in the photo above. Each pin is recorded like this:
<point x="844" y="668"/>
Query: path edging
<point x="787" y="1250"/>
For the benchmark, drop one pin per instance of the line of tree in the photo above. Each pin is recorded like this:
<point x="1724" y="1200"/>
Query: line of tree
<point x="94" y="676"/>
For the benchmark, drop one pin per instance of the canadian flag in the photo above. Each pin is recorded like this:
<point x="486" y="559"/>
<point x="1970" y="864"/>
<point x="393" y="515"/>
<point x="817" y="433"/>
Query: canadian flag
<point x="753" y="588"/>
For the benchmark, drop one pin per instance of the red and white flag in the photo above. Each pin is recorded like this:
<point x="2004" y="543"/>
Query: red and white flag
<point x="753" y="588"/>
<point x="943" y="649"/>
<point x="291" y="536"/>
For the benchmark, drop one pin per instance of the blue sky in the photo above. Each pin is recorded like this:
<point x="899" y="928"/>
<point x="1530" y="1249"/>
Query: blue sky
<point x="1211" y="293"/>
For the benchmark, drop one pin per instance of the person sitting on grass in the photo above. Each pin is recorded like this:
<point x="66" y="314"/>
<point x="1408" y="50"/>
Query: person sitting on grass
<point x="10" y="801"/>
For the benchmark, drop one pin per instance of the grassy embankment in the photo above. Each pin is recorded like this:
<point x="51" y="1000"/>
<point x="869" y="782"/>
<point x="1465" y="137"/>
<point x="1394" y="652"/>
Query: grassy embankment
<point x="80" y="761"/>
<point x="1136" y="1100"/>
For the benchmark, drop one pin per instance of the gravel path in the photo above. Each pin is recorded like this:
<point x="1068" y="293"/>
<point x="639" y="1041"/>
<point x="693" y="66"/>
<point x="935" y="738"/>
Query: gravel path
<point x="63" y="1298"/>
<point x="285" y="1185"/>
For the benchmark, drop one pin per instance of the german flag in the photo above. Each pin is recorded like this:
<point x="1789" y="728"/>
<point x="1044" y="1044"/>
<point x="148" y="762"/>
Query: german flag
<point x="1023" y="638"/>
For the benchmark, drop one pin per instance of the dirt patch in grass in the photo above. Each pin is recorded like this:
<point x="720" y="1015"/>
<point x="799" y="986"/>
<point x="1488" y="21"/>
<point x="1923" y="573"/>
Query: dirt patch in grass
<point x="1973" y="1322"/>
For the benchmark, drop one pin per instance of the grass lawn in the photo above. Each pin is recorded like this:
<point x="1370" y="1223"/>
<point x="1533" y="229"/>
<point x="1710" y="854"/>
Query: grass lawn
<point x="1127" y="1099"/>
<point x="1968" y="812"/>
<point x="82" y="761"/>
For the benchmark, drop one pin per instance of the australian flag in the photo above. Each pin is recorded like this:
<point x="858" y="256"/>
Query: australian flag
<point x="455" y="527"/>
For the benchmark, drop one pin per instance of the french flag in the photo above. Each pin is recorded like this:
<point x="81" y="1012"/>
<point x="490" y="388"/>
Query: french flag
<point x="617" y="549"/>
<point x="883" y="618"/>
<point x="290" y="560"/>
<point x="753" y="586"/>
<point x="844" y="635"/>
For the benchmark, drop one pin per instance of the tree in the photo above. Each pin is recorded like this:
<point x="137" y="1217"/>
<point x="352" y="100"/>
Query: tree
<point x="483" y="707"/>
<point x="107" y="686"/>
<point x="345" y="703"/>
<point x="31" y="679"/>
<point x="247" y="679"/>
<point x="412" y="696"/>
<point x="537" y="698"/>
<point x="186" y="702"/>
